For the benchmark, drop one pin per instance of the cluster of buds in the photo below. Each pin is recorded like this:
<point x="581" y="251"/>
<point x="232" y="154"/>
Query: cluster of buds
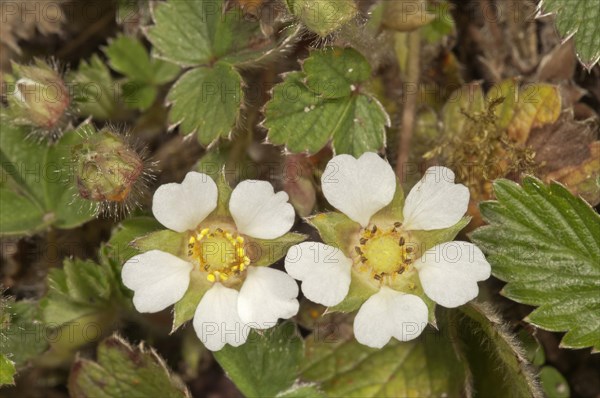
<point x="110" y="172"/>
<point x="38" y="97"/>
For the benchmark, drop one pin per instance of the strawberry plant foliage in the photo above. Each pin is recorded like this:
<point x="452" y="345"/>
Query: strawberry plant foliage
<point x="579" y="19"/>
<point x="327" y="102"/>
<point x="545" y="243"/>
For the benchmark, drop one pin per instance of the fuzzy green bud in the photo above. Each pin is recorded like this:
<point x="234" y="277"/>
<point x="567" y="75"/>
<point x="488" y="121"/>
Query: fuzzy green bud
<point x="106" y="167"/>
<point x="38" y="96"/>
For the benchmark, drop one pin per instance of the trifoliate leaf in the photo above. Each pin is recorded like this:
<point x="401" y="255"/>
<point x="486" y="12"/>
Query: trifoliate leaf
<point x="37" y="190"/>
<point x="206" y="101"/>
<point x="123" y="371"/>
<point x="7" y="371"/>
<point x="578" y="19"/>
<point x="426" y="367"/>
<point x="497" y="364"/>
<point x="129" y="57"/>
<point x="545" y="243"/>
<point x="266" y="364"/>
<point x="335" y="72"/>
<point x="303" y="121"/>
<point x="80" y="288"/>
<point x="323" y="16"/>
<point x="193" y="33"/>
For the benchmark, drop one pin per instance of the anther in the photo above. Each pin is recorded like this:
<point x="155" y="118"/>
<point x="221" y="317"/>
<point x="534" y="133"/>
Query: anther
<point x="374" y="229"/>
<point x="358" y="251"/>
<point x="397" y="224"/>
<point x="402" y="241"/>
<point x="363" y="259"/>
<point x="363" y="241"/>
<point x="409" y="249"/>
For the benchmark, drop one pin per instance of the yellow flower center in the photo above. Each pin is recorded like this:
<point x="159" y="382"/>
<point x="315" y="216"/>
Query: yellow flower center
<point x="218" y="252"/>
<point x="384" y="253"/>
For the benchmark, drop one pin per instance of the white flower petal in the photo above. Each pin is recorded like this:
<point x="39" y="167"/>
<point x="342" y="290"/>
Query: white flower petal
<point x="216" y="320"/>
<point x="388" y="314"/>
<point x="449" y="272"/>
<point x="435" y="202"/>
<point x="267" y="295"/>
<point x="181" y="207"/>
<point x="158" y="279"/>
<point x="359" y="187"/>
<point x="323" y="270"/>
<point x="259" y="212"/>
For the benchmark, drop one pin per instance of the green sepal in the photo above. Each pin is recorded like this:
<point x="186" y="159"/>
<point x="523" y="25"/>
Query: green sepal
<point x="166" y="240"/>
<point x="118" y="249"/>
<point x="337" y="230"/>
<point x="429" y="239"/>
<point x="185" y="308"/>
<point x="224" y="190"/>
<point x="360" y="290"/>
<point x="264" y="252"/>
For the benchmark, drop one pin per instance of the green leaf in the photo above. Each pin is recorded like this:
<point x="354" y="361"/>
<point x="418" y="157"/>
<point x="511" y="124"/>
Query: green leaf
<point x="266" y="364"/>
<point x="81" y="288"/>
<point x="193" y="33"/>
<point x="96" y="93"/>
<point x="123" y="371"/>
<point x="335" y="72"/>
<point x="554" y="383"/>
<point x="426" y="367"/>
<point x="323" y="16"/>
<point x="545" y="243"/>
<point x="7" y="371"/>
<point x="37" y="183"/>
<point x="19" y="214"/>
<point x="301" y="391"/>
<point x="304" y="121"/>
<point x="497" y="363"/>
<point x="579" y="19"/>
<point x="264" y="252"/>
<point x="22" y="335"/>
<point x="128" y="56"/>
<point x="336" y="230"/>
<point x="185" y="308"/>
<point x="206" y="101"/>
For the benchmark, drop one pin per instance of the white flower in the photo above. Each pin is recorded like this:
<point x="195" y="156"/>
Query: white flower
<point x="448" y="272"/>
<point x="216" y="248"/>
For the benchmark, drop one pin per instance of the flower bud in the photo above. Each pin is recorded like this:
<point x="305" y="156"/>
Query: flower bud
<point x="107" y="168"/>
<point x="38" y="96"/>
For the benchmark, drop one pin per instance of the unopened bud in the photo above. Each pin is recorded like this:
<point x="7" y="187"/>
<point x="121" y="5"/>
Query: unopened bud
<point x="107" y="167"/>
<point x="39" y="96"/>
